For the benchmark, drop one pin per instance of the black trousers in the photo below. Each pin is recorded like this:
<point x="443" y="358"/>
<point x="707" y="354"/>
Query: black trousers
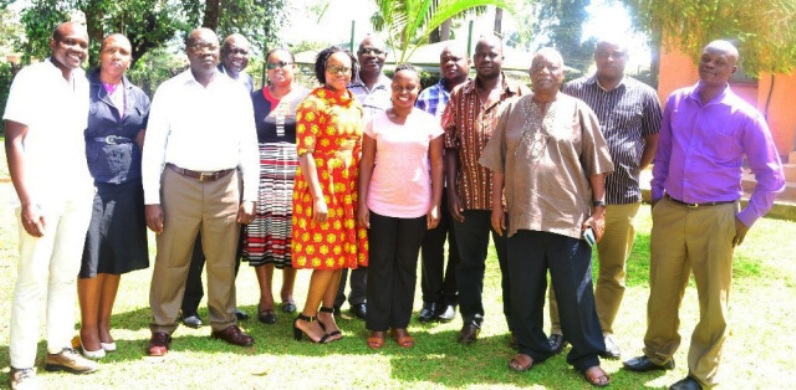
<point x="531" y="255"/>
<point x="359" y="285"/>
<point x="472" y="239"/>
<point x="439" y="282"/>
<point x="392" y="270"/>
<point x="194" y="292"/>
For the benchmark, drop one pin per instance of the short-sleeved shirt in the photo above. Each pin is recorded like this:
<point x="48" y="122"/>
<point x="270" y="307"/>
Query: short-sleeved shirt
<point x="375" y="99"/>
<point x="468" y="126"/>
<point x="400" y="186"/>
<point x="55" y="111"/>
<point x="627" y="114"/>
<point x="547" y="159"/>
<point x="112" y="154"/>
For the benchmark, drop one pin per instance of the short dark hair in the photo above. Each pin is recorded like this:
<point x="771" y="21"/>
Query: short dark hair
<point x="323" y="56"/>
<point x="408" y="67"/>
<point x="276" y="49"/>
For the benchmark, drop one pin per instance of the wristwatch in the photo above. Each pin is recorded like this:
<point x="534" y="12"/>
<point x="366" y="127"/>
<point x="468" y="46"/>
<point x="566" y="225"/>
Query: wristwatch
<point x="596" y="203"/>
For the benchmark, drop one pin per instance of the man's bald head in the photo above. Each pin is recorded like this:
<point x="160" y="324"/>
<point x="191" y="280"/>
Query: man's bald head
<point x="722" y="46"/>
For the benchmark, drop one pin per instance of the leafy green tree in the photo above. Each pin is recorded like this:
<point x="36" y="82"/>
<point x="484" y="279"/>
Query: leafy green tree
<point x="559" y="24"/>
<point x="763" y="30"/>
<point x="409" y="23"/>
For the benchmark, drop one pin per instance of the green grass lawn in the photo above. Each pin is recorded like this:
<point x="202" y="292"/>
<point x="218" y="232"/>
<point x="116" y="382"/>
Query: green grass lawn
<point x="757" y="355"/>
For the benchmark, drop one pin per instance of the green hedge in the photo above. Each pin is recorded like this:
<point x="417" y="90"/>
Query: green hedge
<point x="6" y="76"/>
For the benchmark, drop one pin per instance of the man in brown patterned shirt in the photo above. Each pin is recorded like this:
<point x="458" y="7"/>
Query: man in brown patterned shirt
<point x="470" y="117"/>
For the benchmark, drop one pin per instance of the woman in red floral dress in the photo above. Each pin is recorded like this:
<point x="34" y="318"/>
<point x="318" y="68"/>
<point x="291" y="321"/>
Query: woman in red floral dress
<point x="325" y="235"/>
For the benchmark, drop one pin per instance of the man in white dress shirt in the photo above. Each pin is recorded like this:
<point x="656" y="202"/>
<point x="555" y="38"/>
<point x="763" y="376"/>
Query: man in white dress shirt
<point x="201" y="142"/>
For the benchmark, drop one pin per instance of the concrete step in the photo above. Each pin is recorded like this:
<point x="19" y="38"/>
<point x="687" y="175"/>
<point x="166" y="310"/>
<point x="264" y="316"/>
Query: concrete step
<point x="790" y="171"/>
<point x="787" y="196"/>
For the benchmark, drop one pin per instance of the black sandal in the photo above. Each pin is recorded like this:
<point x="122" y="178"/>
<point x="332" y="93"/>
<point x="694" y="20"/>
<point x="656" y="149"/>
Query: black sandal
<point x="330" y="310"/>
<point x="297" y="332"/>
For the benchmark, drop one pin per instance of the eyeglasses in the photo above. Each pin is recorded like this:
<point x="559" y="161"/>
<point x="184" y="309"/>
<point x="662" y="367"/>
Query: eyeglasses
<point x="280" y="64"/>
<point x="334" y="69"/>
<point x="371" y="51"/>
<point x="199" y="46"/>
<point x="242" y="52"/>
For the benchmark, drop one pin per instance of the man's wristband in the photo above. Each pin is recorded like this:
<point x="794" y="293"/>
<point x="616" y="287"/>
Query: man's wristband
<point x="597" y="203"/>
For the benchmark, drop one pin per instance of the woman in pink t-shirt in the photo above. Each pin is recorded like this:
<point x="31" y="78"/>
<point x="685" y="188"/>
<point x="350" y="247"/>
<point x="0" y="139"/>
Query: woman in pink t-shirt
<point x="398" y="201"/>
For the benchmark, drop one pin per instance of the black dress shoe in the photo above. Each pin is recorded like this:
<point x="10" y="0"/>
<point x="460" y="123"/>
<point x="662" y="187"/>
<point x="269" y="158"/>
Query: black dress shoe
<point x="643" y="363"/>
<point x="192" y="321"/>
<point x="557" y="343"/>
<point x="688" y="383"/>
<point x="468" y="334"/>
<point x="611" y="349"/>
<point x="446" y="313"/>
<point x="241" y="315"/>
<point x="359" y="310"/>
<point x="428" y="313"/>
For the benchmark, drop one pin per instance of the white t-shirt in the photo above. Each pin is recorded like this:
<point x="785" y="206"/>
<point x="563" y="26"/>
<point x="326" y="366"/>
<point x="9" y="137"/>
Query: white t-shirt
<point x="56" y="113"/>
<point x="400" y="186"/>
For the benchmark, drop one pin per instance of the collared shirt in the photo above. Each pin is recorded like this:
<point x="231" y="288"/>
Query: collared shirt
<point x="434" y="99"/>
<point x="701" y="150"/>
<point x="203" y="129"/>
<point x="375" y="99"/>
<point x="243" y="79"/>
<point x="55" y="112"/>
<point x="627" y="114"/>
<point x="548" y="158"/>
<point x="112" y="154"/>
<point x="468" y="125"/>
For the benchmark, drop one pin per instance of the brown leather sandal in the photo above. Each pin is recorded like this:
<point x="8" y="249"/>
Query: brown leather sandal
<point x="596" y="376"/>
<point x="376" y="340"/>
<point x="405" y="340"/>
<point x="516" y="363"/>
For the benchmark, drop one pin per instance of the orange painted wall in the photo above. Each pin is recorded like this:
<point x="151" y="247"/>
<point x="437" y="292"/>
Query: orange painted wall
<point x="781" y="111"/>
<point x="679" y="70"/>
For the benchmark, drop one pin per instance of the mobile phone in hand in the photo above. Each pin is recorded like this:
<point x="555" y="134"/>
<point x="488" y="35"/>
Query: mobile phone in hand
<point x="588" y="235"/>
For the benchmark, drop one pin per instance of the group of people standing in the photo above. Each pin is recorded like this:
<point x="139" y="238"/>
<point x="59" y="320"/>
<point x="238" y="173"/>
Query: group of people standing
<point x="365" y="173"/>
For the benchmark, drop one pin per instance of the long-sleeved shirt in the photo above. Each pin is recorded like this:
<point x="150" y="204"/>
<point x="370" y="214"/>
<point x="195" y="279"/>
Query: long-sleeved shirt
<point x="203" y="129"/>
<point x="701" y="150"/>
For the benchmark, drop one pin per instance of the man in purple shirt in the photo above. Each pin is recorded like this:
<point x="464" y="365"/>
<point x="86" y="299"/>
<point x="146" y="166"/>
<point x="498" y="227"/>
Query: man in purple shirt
<point x="705" y="133"/>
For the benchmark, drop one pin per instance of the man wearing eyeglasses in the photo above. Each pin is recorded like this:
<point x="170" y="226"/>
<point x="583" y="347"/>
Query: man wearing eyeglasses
<point x="372" y="89"/>
<point x="234" y="59"/>
<point x="192" y="182"/>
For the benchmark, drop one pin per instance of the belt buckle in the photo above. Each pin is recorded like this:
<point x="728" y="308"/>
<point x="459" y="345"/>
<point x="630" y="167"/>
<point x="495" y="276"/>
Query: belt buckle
<point x="202" y="176"/>
<point x="111" y="140"/>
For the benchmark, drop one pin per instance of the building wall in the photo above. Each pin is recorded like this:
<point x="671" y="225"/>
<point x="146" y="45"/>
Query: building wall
<point x="678" y="70"/>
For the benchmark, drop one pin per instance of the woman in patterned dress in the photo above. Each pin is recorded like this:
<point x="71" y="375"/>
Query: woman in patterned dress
<point x="266" y="241"/>
<point x="325" y="235"/>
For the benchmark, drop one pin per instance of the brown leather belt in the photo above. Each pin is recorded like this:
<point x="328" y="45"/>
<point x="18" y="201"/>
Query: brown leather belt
<point x="201" y="176"/>
<point x="695" y="205"/>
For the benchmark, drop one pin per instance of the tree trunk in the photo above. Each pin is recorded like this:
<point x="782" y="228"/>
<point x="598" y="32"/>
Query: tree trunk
<point x="498" y="21"/>
<point x="212" y="14"/>
<point x="445" y="30"/>
<point x="434" y="36"/>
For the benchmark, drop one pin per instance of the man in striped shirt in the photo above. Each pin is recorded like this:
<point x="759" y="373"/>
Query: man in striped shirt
<point x="630" y="117"/>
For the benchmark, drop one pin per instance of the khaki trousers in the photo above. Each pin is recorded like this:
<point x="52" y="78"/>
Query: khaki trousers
<point x="686" y="239"/>
<point x="191" y="206"/>
<point x="612" y="253"/>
